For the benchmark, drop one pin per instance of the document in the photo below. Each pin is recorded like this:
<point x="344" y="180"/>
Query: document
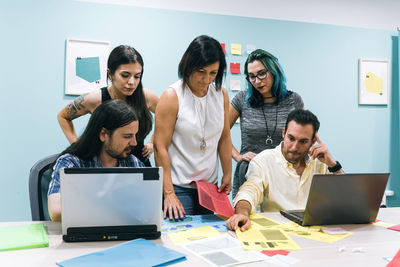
<point x="312" y="232"/>
<point x="223" y="250"/>
<point x="193" y="234"/>
<point x="138" y="252"/>
<point x="265" y="239"/>
<point x="194" y="221"/>
<point x="210" y="198"/>
<point x="23" y="236"/>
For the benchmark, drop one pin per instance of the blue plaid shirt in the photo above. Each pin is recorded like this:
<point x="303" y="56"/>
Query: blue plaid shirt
<point x="71" y="161"/>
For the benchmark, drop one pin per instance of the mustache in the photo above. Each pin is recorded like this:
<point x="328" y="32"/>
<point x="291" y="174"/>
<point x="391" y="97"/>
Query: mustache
<point x="129" y="148"/>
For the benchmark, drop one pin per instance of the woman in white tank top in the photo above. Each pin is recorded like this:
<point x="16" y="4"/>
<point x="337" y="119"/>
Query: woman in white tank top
<point x="192" y="128"/>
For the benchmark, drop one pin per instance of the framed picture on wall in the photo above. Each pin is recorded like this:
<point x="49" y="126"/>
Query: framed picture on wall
<point x="373" y="84"/>
<point x="85" y="65"/>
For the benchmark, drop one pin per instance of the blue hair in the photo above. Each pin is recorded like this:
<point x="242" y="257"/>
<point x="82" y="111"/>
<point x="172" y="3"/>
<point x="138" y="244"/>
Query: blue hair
<point x="270" y="62"/>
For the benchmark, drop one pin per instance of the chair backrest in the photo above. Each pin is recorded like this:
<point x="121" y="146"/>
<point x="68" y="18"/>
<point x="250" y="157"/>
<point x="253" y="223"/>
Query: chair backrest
<point x="39" y="179"/>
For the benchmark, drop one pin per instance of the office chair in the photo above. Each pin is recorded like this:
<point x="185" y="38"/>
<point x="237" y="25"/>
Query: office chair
<point x="39" y="178"/>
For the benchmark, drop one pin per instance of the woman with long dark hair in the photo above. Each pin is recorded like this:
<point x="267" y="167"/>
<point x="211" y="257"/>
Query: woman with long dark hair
<point x="125" y="71"/>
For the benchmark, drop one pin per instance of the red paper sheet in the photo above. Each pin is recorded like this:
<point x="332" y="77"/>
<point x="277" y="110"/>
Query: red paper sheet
<point x="396" y="227"/>
<point x="210" y="198"/>
<point x="235" y="68"/>
<point x="275" y="252"/>
<point x="395" y="262"/>
<point x="223" y="47"/>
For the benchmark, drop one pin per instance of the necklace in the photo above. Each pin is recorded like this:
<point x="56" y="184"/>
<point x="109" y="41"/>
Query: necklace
<point x="203" y="143"/>
<point x="269" y="140"/>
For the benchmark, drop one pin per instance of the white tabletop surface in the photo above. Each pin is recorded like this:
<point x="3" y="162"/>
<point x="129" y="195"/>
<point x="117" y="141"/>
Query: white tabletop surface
<point x="366" y="247"/>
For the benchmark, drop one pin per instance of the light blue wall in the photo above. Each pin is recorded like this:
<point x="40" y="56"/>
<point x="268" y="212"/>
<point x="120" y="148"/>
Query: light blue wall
<point x="321" y="63"/>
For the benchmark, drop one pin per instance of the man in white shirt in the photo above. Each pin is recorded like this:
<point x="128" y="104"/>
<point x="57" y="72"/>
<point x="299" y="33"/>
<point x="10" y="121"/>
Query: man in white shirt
<point x="280" y="178"/>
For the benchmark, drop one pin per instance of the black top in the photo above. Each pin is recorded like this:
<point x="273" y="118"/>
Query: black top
<point x="137" y="151"/>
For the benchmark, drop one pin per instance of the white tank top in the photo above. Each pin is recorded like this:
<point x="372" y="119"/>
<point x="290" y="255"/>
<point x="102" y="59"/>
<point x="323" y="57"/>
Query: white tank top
<point x="188" y="161"/>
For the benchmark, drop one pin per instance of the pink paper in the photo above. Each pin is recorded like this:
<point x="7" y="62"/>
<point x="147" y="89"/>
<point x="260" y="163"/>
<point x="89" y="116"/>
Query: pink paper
<point x="223" y="47"/>
<point x="395" y="262"/>
<point x="235" y="68"/>
<point x="275" y="252"/>
<point x="210" y="198"/>
<point x="396" y="227"/>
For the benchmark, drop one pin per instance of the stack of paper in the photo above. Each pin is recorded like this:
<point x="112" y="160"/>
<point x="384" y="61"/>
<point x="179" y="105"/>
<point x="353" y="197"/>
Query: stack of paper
<point x="139" y="252"/>
<point x="23" y="236"/>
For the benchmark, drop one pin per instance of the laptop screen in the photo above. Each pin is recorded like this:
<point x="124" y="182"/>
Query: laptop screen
<point x="110" y="197"/>
<point x="344" y="198"/>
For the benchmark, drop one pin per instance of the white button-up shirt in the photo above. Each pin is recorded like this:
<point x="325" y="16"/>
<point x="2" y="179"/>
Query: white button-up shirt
<point x="272" y="181"/>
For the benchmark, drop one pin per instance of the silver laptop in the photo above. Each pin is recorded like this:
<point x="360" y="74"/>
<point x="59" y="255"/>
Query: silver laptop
<point x="341" y="199"/>
<point x="111" y="203"/>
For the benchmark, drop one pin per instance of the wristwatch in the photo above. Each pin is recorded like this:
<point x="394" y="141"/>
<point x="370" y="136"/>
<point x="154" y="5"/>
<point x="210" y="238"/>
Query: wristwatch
<point x="335" y="168"/>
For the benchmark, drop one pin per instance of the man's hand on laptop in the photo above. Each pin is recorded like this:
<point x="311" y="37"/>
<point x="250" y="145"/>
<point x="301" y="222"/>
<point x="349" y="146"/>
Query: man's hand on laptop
<point x="173" y="208"/>
<point x="241" y="218"/>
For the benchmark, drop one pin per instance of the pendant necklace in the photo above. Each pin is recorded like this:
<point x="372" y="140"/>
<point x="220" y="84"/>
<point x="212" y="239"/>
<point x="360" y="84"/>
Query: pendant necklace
<point x="269" y="140"/>
<point x="203" y="143"/>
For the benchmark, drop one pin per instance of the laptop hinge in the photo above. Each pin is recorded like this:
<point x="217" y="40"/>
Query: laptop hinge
<point x="111" y="233"/>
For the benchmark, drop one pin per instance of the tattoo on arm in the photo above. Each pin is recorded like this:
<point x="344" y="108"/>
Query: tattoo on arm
<point x="72" y="108"/>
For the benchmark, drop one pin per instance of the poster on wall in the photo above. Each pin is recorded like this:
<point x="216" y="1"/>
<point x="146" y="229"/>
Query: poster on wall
<point x="373" y="82"/>
<point x="85" y="65"/>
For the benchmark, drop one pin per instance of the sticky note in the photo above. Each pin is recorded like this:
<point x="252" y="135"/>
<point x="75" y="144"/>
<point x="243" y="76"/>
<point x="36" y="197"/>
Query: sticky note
<point x="223" y="47"/>
<point x="235" y="68"/>
<point x="236" y="49"/>
<point x="235" y="85"/>
<point x="250" y="48"/>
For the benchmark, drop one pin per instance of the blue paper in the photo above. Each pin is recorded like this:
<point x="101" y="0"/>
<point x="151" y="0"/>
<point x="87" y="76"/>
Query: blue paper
<point x="138" y="252"/>
<point x="88" y="68"/>
<point x="172" y="226"/>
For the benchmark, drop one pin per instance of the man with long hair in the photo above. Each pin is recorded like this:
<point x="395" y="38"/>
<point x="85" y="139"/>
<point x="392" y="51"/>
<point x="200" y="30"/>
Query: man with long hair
<point x="107" y="141"/>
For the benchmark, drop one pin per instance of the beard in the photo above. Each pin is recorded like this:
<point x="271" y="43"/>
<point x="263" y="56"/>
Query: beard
<point x="118" y="155"/>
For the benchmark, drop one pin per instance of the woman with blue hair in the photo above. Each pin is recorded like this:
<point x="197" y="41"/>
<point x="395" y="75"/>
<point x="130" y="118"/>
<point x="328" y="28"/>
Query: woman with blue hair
<point x="262" y="108"/>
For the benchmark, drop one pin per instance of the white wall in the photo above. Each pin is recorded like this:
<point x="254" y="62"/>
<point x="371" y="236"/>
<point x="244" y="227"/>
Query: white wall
<point x="372" y="14"/>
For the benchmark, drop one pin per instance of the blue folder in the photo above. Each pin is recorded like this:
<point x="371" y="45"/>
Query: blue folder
<point x="138" y="252"/>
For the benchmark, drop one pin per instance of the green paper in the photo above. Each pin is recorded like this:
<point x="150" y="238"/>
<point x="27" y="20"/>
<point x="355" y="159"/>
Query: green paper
<point x="23" y="237"/>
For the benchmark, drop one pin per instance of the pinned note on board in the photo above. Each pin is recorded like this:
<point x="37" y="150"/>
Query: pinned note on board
<point x="236" y="49"/>
<point x="250" y="48"/>
<point x="223" y="47"/>
<point x="235" y="68"/>
<point x="235" y="85"/>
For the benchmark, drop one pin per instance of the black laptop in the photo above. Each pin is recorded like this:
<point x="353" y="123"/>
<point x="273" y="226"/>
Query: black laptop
<point x="341" y="199"/>
<point x="111" y="203"/>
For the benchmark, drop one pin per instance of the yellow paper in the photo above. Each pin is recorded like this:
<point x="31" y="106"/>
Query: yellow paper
<point x="265" y="239"/>
<point x="311" y="232"/>
<point x="373" y="83"/>
<point x="193" y="234"/>
<point x="259" y="221"/>
<point x="236" y="49"/>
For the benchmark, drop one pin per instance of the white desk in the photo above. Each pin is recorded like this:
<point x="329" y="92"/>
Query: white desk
<point x="376" y="243"/>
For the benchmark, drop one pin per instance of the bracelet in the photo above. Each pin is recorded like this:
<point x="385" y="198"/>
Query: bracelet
<point x="335" y="168"/>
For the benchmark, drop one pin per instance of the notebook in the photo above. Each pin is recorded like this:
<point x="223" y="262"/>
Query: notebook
<point x="111" y="203"/>
<point x="341" y="199"/>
